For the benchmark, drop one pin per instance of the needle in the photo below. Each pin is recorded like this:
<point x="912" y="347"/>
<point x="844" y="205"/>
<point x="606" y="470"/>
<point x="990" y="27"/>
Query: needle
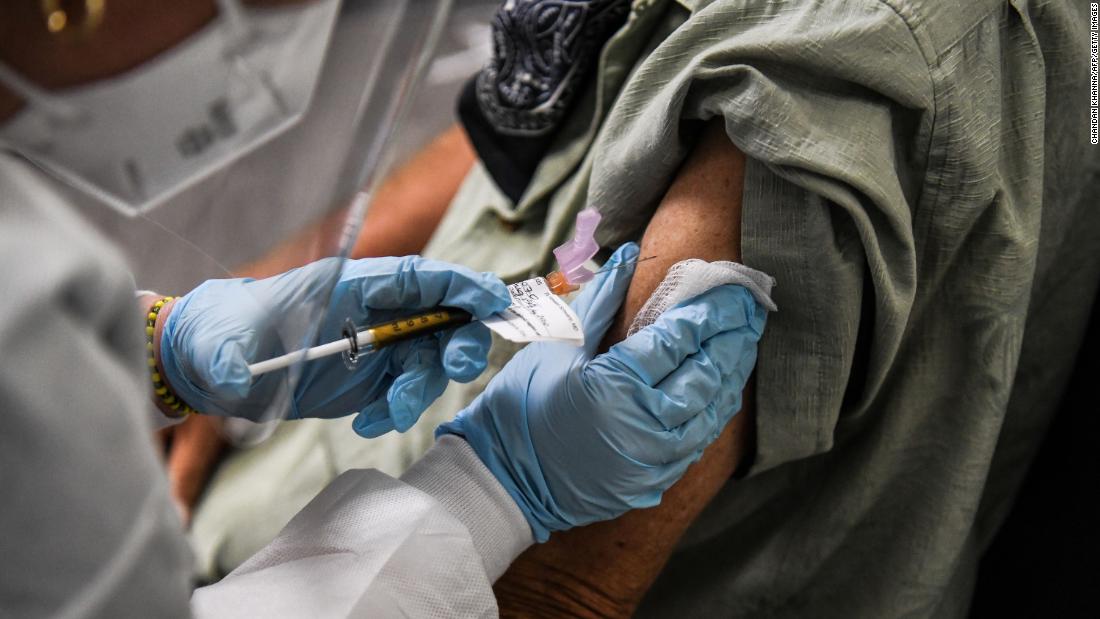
<point x="628" y="264"/>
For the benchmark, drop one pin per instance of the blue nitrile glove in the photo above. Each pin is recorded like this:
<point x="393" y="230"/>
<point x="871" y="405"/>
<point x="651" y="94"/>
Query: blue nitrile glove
<point x="215" y="331"/>
<point x="576" y="437"/>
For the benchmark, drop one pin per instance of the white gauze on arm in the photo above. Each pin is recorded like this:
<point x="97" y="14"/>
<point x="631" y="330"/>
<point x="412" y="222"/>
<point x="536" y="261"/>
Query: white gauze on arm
<point x="692" y="277"/>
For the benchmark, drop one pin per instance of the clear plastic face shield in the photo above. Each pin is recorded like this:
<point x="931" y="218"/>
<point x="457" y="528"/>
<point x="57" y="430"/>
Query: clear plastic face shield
<point x="213" y="139"/>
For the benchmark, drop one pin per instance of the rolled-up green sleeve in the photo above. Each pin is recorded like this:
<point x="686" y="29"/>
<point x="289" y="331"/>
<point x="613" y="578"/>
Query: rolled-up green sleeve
<point x="833" y="105"/>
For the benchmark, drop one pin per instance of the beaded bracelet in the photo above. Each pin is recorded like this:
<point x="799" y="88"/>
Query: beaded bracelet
<point x="160" y="387"/>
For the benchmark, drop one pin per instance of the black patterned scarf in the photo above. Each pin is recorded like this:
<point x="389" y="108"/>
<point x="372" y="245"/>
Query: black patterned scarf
<point x="543" y="53"/>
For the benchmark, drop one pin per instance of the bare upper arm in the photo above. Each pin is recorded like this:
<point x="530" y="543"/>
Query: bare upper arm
<point x="604" y="569"/>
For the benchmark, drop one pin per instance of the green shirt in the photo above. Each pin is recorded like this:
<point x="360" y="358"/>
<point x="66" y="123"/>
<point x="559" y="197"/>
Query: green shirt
<point x="921" y="185"/>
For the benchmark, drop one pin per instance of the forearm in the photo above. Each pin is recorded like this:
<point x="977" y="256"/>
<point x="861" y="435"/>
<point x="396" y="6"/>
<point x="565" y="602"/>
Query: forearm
<point x="402" y="216"/>
<point x="604" y="569"/>
<point x="412" y="201"/>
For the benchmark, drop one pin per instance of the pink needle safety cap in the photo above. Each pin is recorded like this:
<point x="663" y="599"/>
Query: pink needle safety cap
<point x="573" y="254"/>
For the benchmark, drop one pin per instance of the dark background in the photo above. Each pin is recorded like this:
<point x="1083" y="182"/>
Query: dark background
<point x="1043" y="562"/>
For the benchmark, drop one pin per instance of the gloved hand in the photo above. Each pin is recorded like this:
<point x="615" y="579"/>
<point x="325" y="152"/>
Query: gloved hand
<point x="576" y="437"/>
<point x="214" y="332"/>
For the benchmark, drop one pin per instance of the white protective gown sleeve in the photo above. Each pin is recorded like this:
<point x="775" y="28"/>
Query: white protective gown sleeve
<point x="368" y="545"/>
<point x="88" y="527"/>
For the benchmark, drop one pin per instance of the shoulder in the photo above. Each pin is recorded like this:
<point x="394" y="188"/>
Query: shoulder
<point x="936" y="25"/>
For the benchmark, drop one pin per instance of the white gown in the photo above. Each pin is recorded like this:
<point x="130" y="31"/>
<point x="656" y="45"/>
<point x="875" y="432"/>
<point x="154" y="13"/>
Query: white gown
<point x="87" y="528"/>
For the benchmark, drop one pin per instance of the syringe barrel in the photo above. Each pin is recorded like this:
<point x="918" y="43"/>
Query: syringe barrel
<point x="411" y="327"/>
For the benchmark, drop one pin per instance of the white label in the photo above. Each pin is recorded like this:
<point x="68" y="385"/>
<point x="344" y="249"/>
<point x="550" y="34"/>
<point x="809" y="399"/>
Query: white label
<point x="536" y="315"/>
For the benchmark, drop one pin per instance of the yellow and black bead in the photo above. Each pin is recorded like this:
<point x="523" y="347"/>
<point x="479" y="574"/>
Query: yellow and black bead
<point x="160" y="388"/>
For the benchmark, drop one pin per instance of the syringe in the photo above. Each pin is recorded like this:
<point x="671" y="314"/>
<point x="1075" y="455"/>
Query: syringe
<point x="357" y="342"/>
<point x="571" y="256"/>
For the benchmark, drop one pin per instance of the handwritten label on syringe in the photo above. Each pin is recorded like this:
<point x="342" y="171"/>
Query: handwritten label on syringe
<point x="536" y="314"/>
